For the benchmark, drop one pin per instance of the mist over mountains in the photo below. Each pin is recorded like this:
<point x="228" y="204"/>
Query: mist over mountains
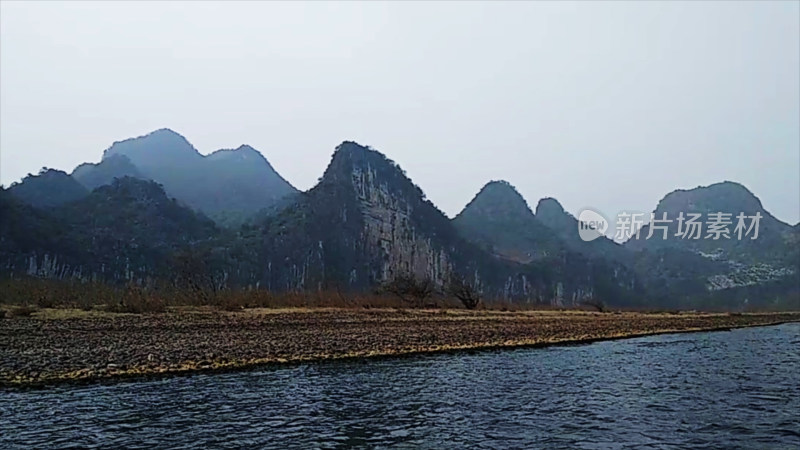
<point x="154" y="202"/>
<point x="228" y="185"/>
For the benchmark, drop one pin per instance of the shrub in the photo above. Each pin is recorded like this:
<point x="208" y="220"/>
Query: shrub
<point x="467" y="292"/>
<point x="596" y="304"/>
<point x="137" y="300"/>
<point x="232" y="301"/>
<point x="411" y="290"/>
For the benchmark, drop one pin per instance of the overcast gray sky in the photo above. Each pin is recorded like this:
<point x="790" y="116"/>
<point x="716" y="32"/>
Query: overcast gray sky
<point x="609" y="105"/>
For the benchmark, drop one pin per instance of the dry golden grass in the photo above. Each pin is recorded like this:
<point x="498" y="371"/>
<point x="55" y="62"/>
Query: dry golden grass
<point x="41" y="294"/>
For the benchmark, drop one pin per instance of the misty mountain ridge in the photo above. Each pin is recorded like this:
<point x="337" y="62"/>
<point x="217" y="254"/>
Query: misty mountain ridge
<point x="366" y="223"/>
<point x="229" y="185"/>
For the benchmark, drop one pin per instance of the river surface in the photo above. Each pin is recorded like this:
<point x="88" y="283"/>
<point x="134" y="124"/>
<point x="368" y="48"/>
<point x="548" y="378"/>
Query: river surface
<point x="737" y="389"/>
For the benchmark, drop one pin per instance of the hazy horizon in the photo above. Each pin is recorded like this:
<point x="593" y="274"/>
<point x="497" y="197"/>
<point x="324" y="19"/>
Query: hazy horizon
<point x="607" y="105"/>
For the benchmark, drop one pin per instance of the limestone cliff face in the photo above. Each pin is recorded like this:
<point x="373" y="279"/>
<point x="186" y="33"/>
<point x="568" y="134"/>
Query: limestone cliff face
<point x="366" y="223"/>
<point x="363" y="224"/>
<point x="389" y="231"/>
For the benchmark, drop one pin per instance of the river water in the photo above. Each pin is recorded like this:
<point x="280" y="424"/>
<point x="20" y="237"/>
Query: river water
<point x="737" y="389"/>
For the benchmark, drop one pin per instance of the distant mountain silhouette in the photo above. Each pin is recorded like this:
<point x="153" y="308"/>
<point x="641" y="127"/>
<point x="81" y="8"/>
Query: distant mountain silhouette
<point x="157" y="152"/>
<point x="729" y="198"/>
<point x="227" y="185"/>
<point x="499" y="220"/>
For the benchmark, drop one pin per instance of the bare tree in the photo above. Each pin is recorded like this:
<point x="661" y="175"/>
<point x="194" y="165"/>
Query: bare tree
<point x="410" y="289"/>
<point x="467" y="292"/>
<point x="194" y="275"/>
<point x="596" y="303"/>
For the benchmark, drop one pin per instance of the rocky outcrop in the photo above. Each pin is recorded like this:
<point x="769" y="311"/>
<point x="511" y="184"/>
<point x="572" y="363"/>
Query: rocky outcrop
<point x="387" y="222"/>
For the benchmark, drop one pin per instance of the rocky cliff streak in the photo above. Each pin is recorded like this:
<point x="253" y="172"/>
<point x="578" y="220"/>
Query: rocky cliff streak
<point x="404" y="234"/>
<point x="389" y="231"/>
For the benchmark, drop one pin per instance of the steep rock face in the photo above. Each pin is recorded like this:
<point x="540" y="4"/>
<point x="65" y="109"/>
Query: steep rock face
<point x="229" y="186"/>
<point x="388" y="229"/>
<point x="50" y="188"/>
<point x="356" y="228"/>
<point x="366" y="223"/>
<point x="92" y="176"/>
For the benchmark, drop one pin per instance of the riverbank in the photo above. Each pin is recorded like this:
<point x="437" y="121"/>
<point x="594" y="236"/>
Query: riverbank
<point x="53" y="346"/>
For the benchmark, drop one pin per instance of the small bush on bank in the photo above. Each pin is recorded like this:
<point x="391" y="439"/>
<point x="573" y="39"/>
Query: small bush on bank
<point x="137" y="300"/>
<point x="231" y="302"/>
<point x="467" y="292"/>
<point x="414" y="291"/>
<point x="598" y="305"/>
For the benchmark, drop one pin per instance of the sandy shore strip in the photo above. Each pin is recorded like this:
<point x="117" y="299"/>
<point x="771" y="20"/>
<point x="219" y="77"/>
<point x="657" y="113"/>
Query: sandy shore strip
<point x="54" y="346"/>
